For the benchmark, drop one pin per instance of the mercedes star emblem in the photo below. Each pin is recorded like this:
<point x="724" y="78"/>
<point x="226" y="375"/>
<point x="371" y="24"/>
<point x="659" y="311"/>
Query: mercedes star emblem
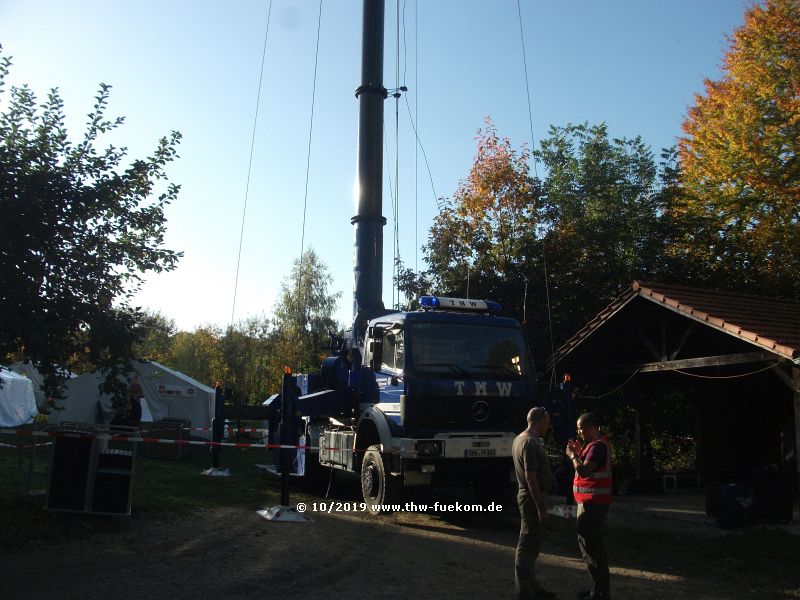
<point x="480" y="411"/>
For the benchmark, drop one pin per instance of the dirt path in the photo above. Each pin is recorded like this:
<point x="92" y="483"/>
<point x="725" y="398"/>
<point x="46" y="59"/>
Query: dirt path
<point x="227" y="553"/>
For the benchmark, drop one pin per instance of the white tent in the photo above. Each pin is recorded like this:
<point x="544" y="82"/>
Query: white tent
<point x="28" y="370"/>
<point x="17" y="402"/>
<point x="166" y="394"/>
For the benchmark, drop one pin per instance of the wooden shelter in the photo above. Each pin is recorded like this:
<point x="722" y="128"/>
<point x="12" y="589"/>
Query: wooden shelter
<point x="737" y="355"/>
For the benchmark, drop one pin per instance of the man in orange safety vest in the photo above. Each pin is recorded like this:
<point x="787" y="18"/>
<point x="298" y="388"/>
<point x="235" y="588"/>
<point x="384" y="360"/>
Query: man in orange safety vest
<point x="592" y="489"/>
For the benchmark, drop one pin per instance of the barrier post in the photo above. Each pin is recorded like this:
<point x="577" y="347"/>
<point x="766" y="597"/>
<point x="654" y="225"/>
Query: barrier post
<point x="217" y="431"/>
<point x="287" y="452"/>
<point x="218" y="424"/>
<point x="287" y="437"/>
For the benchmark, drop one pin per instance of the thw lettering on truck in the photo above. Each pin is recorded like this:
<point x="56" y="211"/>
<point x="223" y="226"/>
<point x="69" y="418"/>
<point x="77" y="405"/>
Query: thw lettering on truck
<point x="503" y="388"/>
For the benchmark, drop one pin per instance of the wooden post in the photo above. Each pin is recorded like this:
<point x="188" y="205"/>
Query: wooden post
<point x="796" y="377"/>
<point x="639" y="440"/>
<point x="699" y="447"/>
<point x="638" y="395"/>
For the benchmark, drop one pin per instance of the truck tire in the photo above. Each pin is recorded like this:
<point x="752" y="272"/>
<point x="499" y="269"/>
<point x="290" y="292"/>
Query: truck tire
<point x="378" y="486"/>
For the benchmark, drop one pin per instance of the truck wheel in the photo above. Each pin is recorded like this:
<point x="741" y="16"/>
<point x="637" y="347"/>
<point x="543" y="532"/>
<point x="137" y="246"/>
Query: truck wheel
<point x="378" y="487"/>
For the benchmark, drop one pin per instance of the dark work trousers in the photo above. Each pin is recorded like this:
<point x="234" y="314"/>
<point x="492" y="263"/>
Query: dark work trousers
<point x="530" y="534"/>
<point x="591" y="526"/>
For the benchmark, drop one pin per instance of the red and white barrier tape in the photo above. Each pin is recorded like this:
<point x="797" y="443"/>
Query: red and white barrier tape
<point x="150" y="440"/>
<point x="237" y="429"/>
<point x="25" y="445"/>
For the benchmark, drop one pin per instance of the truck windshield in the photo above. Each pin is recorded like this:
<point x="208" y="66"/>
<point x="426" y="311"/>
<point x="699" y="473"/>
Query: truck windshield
<point x="467" y="350"/>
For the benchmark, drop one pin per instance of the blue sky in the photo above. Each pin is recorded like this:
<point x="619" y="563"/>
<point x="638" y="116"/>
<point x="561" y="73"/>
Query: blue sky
<point x="194" y="66"/>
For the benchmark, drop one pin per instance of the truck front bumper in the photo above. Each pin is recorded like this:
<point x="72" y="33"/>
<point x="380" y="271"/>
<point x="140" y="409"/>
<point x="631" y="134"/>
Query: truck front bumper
<point x="458" y="446"/>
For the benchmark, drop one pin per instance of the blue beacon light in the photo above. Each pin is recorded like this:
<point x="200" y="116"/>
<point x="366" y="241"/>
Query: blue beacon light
<point x="429" y="301"/>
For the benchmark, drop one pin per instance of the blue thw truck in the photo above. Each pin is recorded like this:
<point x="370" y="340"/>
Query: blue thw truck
<point x="427" y="397"/>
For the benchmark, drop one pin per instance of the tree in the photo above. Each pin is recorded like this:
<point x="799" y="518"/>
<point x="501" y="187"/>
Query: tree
<point x="303" y="318"/>
<point x="411" y="284"/>
<point x="480" y="244"/>
<point x="592" y="225"/>
<point x="739" y="158"/>
<point x="246" y="354"/>
<point x="601" y="207"/>
<point x="154" y="337"/>
<point x="78" y="231"/>
<point x="198" y="354"/>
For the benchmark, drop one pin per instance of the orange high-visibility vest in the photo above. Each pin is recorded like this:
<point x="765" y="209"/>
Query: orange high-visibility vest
<point x="595" y="488"/>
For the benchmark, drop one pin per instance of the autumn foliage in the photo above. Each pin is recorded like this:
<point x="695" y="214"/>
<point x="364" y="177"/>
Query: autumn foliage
<point x="482" y="230"/>
<point x="555" y="250"/>
<point x="723" y="212"/>
<point x="739" y="155"/>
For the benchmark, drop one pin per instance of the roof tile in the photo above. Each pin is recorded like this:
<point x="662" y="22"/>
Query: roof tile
<point x="770" y="323"/>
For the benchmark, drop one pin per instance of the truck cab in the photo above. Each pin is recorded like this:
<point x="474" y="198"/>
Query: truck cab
<point x="446" y="389"/>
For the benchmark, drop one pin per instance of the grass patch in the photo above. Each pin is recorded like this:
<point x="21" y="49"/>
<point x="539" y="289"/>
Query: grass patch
<point x="178" y="486"/>
<point x="162" y="488"/>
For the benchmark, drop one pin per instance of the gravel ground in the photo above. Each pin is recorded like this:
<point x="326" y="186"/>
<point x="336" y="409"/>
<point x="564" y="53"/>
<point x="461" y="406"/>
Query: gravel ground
<point x="234" y="553"/>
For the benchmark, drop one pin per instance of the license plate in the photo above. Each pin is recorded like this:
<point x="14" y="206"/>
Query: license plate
<point x="480" y="452"/>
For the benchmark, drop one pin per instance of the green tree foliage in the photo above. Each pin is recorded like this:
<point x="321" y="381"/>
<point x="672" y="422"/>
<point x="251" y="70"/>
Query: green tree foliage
<point x="412" y="285"/>
<point x="154" y="337"/>
<point x="248" y="357"/>
<point x="78" y="231"/>
<point x="303" y="319"/>
<point x="739" y="159"/>
<point x="664" y="421"/>
<point x="601" y="208"/>
<point x="246" y="350"/>
<point x="239" y="358"/>
<point x="593" y="224"/>
<point x="198" y="354"/>
<point x="482" y="238"/>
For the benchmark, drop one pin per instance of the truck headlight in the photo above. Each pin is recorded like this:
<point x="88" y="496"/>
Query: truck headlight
<point x="429" y="448"/>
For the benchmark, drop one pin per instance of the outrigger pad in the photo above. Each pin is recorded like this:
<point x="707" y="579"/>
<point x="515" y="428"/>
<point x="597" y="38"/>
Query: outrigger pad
<point x="217" y="472"/>
<point x="283" y="513"/>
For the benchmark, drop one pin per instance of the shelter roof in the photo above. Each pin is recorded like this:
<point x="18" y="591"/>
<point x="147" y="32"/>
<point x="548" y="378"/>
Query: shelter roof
<point x="769" y="323"/>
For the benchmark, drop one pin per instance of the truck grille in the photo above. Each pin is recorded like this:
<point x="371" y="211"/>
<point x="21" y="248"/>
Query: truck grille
<point x="473" y="413"/>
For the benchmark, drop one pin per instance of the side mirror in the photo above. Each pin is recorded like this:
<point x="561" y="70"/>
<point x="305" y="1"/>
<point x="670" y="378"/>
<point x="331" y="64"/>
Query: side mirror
<point x="376" y="355"/>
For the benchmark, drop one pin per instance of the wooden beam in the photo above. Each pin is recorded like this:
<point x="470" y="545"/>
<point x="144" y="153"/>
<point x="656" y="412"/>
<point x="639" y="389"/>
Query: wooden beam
<point x="689" y="328"/>
<point x="783" y="376"/>
<point x="648" y="344"/>
<point x="690" y="363"/>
